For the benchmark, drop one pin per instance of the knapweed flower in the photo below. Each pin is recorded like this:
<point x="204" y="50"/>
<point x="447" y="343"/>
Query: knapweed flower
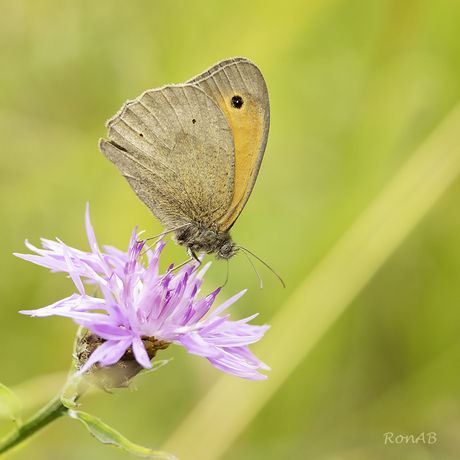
<point x="141" y="307"/>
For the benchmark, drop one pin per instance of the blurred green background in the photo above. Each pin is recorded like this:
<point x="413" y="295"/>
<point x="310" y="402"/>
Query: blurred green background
<point x="356" y="88"/>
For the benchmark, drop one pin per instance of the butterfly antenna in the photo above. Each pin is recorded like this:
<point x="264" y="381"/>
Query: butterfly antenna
<point x="253" y="266"/>
<point x="260" y="260"/>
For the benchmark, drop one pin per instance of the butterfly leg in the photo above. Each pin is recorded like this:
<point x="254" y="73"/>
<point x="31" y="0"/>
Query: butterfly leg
<point x="182" y="264"/>
<point x="194" y="256"/>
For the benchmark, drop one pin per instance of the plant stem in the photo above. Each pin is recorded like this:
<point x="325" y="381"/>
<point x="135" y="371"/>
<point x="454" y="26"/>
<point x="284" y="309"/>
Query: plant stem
<point x="53" y="410"/>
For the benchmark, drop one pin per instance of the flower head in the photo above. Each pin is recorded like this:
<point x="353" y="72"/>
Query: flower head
<point x="138" y="304"/>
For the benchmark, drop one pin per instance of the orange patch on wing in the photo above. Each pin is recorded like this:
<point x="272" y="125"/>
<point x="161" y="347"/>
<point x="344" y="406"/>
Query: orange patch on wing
<point x="246" y="124"/>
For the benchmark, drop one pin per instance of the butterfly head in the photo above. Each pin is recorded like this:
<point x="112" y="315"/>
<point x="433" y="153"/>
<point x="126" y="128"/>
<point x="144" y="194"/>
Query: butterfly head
<point x="227" y="250"/>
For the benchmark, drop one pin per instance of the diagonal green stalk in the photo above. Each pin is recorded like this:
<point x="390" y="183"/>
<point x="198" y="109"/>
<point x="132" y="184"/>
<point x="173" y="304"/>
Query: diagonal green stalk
<point x="325" y="293"/>
<point x="53" y="410"/>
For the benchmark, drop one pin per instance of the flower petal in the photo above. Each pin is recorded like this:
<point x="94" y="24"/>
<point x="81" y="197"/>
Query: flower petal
<point x="198" y="346"/>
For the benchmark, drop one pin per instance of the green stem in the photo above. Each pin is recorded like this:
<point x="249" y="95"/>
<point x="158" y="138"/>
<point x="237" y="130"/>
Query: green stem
<point x="53" y="410"/>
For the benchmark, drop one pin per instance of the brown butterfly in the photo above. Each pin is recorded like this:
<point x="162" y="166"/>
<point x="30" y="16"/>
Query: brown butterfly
<point x="192" y="152"/>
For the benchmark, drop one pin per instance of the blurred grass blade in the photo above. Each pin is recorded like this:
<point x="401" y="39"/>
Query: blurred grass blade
<point x="107" y="435"/>
<point x="10" y="405"/>
<point x="325" y="293"/>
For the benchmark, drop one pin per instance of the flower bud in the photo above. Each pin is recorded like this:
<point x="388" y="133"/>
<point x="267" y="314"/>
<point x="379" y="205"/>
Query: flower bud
<point x="120" y="374"/>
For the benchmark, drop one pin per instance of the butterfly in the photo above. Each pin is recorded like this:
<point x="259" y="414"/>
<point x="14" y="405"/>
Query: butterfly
<point x="192" y="152"/>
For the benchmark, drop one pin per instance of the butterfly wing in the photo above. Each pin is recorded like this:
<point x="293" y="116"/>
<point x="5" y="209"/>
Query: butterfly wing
<point x="175" y="148"/>
<point x="238" y="87"/>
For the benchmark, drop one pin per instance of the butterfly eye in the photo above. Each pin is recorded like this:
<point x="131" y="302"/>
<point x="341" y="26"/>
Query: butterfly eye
<point x="237" y="102"/>
<point x="226" y="248"/>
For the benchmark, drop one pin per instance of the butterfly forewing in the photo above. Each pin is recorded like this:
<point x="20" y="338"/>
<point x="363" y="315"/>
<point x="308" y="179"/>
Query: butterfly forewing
<point x="239" y="89"/>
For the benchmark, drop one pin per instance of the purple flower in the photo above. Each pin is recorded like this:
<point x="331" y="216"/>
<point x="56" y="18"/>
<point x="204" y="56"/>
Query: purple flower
<point x="139" y="302"/>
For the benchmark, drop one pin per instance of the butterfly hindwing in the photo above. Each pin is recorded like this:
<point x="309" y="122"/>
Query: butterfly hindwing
<point x="175" y="147"/>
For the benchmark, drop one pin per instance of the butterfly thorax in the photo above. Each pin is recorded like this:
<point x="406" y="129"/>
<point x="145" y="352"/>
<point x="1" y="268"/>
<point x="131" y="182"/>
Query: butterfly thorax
<point x="198" y="238"/>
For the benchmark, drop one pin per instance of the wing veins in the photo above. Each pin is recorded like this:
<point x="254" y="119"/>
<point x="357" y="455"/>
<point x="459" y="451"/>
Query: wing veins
<point x="174" y="110"/>
<point x="156" y="119"/>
